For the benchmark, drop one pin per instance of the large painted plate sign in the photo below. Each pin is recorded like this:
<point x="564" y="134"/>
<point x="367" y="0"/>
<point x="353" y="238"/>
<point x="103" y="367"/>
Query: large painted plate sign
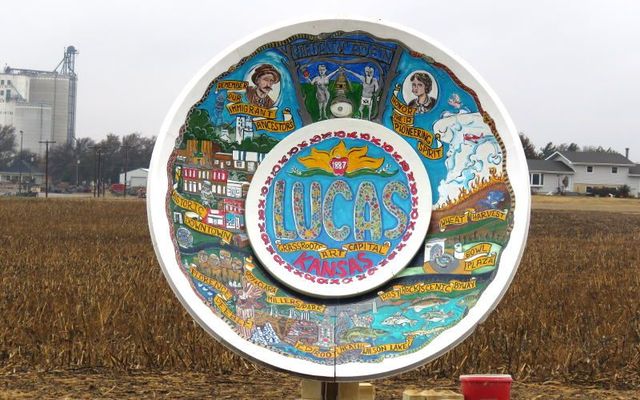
<point x="339" y="199"/>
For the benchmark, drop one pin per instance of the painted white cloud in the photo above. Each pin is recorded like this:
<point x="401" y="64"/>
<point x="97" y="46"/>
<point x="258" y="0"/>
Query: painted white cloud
<point x="473" y="150"/>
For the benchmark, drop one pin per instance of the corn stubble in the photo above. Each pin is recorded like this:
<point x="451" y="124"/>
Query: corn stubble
<point x="80" y="287"/>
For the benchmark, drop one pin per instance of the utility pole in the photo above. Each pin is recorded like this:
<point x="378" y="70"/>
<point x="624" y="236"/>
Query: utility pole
<point x="126" y="161"/>
<point x="100" y="173"/>
<point x="96" y="169"/>
<point x="95" y="173"/>
<point x="77" y="150"/>
<point x="21" y="165"/>
<point x="46" y="167"/>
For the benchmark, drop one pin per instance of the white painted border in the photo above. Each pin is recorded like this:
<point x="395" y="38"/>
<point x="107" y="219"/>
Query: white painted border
<point x="157" y="191"/>
<point x="384" y="273"/>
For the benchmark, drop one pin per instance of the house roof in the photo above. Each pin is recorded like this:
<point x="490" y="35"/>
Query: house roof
<point x="593" y="157"/>
<point x="548" y="166"/>
<point x="635" y="170"/>
<point x="145" y="170"/>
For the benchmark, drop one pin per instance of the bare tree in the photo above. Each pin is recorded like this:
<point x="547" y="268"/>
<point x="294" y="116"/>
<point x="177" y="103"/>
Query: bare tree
<point x="7" y="145"/>
<point x="529" y="149"/>
<point x="547" y="150"/>
<point x="600" y="149"/>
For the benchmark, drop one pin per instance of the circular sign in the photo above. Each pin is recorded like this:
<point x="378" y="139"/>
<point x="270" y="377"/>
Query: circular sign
<point x="342" y="206"/>
<point x="294" y="179"/>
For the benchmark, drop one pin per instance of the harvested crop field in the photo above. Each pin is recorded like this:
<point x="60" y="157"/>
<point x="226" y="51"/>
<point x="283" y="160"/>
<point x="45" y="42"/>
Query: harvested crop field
<point x="626" y="206"/>
<point x="85" y="312"/>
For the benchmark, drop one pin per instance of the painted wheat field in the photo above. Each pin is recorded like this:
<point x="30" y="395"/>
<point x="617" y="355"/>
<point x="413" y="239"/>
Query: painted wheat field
<point x="85" y="312"/>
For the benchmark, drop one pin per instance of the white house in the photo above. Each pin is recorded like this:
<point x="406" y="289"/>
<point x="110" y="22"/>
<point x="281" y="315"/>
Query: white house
<point x="136" y="177"/>
<point x="583" y="171"/>
<point x="549" y="176"/>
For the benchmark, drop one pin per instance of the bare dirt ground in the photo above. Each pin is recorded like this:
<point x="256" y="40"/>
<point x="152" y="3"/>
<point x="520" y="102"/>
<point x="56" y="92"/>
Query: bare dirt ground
<point x="263" y="384"/>
<point x="575" y="203"/>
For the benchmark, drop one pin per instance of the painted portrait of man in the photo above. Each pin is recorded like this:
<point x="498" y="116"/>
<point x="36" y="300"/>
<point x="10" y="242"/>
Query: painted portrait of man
<point x="263" y="78"/>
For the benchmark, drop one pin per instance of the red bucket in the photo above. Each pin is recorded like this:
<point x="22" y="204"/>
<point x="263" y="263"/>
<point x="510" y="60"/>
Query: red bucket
<point x="486" y="387"/>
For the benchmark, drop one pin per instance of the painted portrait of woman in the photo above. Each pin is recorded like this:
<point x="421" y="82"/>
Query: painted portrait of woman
<point x="422" y="91"/>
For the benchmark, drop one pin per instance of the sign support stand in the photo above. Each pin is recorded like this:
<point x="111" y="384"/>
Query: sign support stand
<point x="318" y="390"/>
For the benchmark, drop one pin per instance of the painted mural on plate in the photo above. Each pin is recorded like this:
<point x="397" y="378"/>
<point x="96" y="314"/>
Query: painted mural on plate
<point x="286" y="85"/>
<point x="342" y="205"/>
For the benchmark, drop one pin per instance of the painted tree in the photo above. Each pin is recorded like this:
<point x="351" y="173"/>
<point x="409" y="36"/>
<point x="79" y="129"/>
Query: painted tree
<point x="199" y="126"/>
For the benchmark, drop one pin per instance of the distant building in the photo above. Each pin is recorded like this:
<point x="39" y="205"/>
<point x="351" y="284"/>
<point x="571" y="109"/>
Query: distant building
<point x="20" y="176"/>
<point x="41" y="104"/>
<point x="136" y="177"/>
<point x="582" y="171"/>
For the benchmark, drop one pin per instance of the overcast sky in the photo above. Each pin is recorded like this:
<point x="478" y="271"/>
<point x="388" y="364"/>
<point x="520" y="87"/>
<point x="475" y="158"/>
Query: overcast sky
<point x="566" y="71"/>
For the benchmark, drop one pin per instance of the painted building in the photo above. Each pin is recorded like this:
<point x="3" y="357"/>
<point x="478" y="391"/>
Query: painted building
<point x="222" y="160"/>
<point x="219" y="181"/>
<point x="234" y="213"/>
<point x="224" y="135"/>
<point x="241" y="240"/>
<point x="197" y="152"/>
<point x="192" y="179"/>
<point x="247" y="160"/>
<point x="244" y="128"/>
<point x="326" y="337"/>
<point x="225" y="175"/>
<point x="215" y="218"/>
<point x="237" y="189"/>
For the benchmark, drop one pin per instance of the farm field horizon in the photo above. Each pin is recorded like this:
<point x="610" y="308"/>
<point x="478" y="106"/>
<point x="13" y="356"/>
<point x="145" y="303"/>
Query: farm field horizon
<point x="582" y="203"/>
<point x="86" y="311"/>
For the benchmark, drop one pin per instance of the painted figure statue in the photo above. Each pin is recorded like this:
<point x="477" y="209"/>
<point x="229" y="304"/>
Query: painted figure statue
<point x="321" y="82"/>
<point x="370" y="88"/>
